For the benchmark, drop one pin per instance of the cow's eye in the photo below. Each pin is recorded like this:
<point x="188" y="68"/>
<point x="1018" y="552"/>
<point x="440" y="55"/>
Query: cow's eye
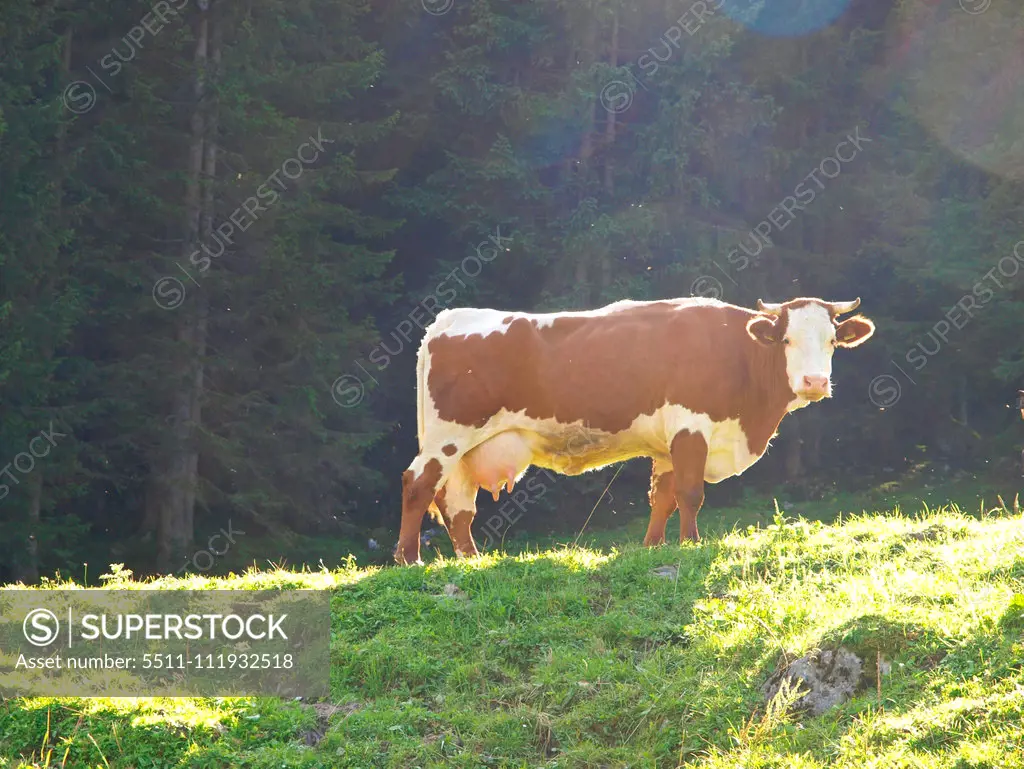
<point x="787" y="340"/>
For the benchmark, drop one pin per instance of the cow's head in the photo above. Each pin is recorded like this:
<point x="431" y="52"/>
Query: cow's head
<point x="809" y="333"/>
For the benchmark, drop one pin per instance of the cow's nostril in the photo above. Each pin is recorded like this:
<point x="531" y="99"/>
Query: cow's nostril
<point x="815" y="382"/>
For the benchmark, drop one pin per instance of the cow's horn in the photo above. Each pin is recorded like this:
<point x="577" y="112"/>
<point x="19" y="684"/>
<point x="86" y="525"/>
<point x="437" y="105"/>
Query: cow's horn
<point x="838" y="308"/>
<point x="771" y="309"/>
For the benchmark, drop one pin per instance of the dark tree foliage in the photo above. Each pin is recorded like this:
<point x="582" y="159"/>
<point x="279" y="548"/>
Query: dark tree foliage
<point x="224" y="225"/>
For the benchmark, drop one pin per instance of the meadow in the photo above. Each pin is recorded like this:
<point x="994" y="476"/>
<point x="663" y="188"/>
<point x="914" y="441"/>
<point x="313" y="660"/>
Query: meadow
<point x="608" y="654"/>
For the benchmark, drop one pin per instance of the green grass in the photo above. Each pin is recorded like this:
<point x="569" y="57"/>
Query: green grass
<point x="572" y="657"/>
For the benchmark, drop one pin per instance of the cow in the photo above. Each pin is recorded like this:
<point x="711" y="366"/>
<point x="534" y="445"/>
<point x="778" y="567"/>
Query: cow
<point x="697" y="385"/>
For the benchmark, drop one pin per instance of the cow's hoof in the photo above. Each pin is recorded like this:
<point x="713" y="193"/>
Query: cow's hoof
<point x="407" y="557"/>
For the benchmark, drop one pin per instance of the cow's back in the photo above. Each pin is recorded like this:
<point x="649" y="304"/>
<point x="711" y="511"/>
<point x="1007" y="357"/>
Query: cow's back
<point x="604" y="367"/>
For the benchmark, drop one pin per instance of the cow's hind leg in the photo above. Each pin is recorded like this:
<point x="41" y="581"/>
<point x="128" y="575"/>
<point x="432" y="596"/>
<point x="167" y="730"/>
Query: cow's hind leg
<point x="663" y="501"/>
<point x="689" y="457"/>
<point x="459" y="510"/>
<point x="454" y="507"/>
<point x="438" y="509"/>
<point x="495" y="463"/>
<point x="420" y="484"/>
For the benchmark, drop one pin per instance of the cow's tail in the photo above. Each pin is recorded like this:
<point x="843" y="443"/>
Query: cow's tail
<point x="421" y="394"/>
<point x="421" y="356"/>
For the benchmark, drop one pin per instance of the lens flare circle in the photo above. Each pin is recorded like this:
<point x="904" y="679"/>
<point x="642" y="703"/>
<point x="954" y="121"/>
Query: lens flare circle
<point x="784" y="18"/>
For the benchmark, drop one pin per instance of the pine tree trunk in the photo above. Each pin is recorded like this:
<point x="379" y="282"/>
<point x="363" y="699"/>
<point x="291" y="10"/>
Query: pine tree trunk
<point x="962" y="400"/>
<point x="584" y="281"/>
<point x="30" y="574"/>
<point x="794" y="452"/>
<point x="177" y="472"/>
<point x="813" y="443"/>
<point x="605" y="258"/>
<point x="202" y="302"/>
<point x="150" y="506"/>
<point x="587" y="59"/>
<point x="609" y="127"/>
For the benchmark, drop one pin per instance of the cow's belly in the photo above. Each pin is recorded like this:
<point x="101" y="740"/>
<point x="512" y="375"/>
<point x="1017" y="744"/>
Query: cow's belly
<point x="582" y="458"/>
<point x="572" y="449"/>
<point x="728" y="451"/>
<point x="567" y="449"/>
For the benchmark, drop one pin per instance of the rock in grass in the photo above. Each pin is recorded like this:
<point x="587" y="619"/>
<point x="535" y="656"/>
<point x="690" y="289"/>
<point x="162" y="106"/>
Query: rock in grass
<point x="929" y="534"/>
<point x="829" y="678"/>
<point x="324" y="711"/>
<point x="667" y="572"/>
<point x="454" y="591"/>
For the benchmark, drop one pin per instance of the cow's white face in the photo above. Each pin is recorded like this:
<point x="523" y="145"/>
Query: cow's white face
<point x="810" y="337"/>
<point x="810" y="341"/>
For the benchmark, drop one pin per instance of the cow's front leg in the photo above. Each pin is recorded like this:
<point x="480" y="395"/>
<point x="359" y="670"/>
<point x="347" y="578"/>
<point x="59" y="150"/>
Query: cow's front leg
<point x="689" y="455"/>
<point x="663" y="501"/>
<point x="421" y="483"/>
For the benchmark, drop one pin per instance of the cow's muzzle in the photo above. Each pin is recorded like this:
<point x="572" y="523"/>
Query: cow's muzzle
<point x="815" y="388"/>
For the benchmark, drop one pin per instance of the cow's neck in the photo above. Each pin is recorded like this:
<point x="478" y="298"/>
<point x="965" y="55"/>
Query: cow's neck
<point x="769" y="397"/>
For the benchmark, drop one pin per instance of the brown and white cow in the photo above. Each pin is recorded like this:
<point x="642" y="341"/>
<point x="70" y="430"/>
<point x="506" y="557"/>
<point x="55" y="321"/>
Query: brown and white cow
<point x="697" y="385"/>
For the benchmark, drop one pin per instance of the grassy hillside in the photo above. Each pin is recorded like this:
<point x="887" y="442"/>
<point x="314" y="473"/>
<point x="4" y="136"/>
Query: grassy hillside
<point x="626" y="657"/>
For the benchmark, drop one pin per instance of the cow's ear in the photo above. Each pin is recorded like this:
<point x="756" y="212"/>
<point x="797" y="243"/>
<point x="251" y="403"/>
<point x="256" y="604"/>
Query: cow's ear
<point x="854" y="331"/>
<point x="764" y="330"/>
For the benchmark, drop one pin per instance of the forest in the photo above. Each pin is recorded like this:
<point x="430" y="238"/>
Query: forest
<point x="224" y="225"/>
